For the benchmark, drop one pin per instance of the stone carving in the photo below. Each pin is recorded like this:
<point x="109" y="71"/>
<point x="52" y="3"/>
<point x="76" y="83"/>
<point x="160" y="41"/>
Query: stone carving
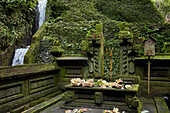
<point x="94" y="51"/>
<point x="149" y="47"/>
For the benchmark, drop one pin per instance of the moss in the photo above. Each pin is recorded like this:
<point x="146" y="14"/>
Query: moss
<point x="38" y="35"/>
<point x="125" y="35"/>
<point x="122" y="26"/>
<point x="99" y="27"/>
<point x="157" y="57"/>
<point x="75" y="11"/>
<point x="6" y="56"/>
<point x="73" y="55"/>
<point x="130" y="10"/>
<point x="56" y="50"/>
<point x="25" y="70"/>
<point x="166" y="48"/>
<point x="16" y="22"/>
<point x="31" y="55"/>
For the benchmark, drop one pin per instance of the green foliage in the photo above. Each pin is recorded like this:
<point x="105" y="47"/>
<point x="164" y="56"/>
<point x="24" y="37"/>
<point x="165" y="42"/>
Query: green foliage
<point x="74" y="11"/>
<point x="71" y="25"/>
<point x="166" y="48"/>
<point x="161" y="33"/>
<point x="70" y="35"/>
<point x="163" y="6"/>
<point x="57" y="8"/>
<point x="130" y="10"/>
<point x="16" y="18"/>
<point x="99" y="27"/>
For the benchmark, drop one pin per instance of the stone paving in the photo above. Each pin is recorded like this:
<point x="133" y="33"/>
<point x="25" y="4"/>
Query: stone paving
<point x="56" y="109"/>
<point x="147" y="105"/>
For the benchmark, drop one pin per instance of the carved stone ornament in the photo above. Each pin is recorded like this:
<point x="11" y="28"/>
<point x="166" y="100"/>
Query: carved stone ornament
<point x="149" y="47"/>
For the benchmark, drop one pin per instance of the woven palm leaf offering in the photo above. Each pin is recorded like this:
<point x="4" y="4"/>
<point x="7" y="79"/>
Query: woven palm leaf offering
<point x="119" y="83"/>
<point x="88" y="83"/>
<point x="76" y="82"/>
<point x="115" y="110"/>
<point x="82" y="110"/>
<point x="102" y="83"/>
<point x="108" y="111"/>
<point x="129" y="87"/>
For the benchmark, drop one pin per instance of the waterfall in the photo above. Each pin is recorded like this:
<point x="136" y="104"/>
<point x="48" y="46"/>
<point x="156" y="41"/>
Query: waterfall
<point x="42" y="9"/>
<point x="20" y="53"/>
<point x="19" y="56"/>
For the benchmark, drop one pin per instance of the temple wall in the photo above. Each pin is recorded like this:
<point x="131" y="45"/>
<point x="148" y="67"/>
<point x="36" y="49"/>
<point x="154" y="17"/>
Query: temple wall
<point x="160" y="76"/>
<point x="6" y="56"/>
<point x="22" y="87"/>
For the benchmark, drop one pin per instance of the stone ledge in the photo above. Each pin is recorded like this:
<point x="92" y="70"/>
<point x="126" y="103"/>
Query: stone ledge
<point x="25" y="70"/>
<point x="155" y="83"/>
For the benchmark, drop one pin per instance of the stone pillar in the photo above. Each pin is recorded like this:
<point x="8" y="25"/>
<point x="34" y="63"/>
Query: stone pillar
<point x="127" y="54"/>
<point x="94" y="50"/>
<point x="123" y="60"/>
<point x="131" y="62"/>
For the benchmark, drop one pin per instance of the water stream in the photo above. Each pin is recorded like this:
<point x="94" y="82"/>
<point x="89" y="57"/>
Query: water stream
<point x="20" y="53"/>
<point x="19" y="56"/>
<point x="42" y="8"/>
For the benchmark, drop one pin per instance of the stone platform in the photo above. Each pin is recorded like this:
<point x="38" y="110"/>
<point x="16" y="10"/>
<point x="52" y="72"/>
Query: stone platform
<point x="108" y="94"/>
<point x="55" y="105"/>
<point x="102" y="98"/>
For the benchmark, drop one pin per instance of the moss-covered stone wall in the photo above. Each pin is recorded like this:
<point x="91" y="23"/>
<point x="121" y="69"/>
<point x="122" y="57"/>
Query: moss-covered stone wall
<point x="6" y="56"/>
<point x="32" y="54"/>
<point x="24" y="86"/>
<point x="159" y="75"/>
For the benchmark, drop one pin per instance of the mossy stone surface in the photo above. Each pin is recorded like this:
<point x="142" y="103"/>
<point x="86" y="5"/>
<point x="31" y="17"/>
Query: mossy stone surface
<point x="130" y="10"/>
<point x="56" y="50"/>
<point x="25" y="70"/>
<point x="6" y="56"/>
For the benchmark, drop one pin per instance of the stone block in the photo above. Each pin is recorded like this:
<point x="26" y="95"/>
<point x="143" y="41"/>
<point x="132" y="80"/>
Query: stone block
<point x="98" y="97"/>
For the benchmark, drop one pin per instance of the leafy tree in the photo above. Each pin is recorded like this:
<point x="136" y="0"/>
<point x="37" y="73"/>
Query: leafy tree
<point x="163" y="6"/>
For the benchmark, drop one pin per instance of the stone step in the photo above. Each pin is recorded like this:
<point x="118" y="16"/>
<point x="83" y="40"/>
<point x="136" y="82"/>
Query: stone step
<point x="73" y="76"/>
<point x="105" y="102"/>
<point x="161" y="105"/>
<point x="44" y="105"/>
<point x="109" y="106"/>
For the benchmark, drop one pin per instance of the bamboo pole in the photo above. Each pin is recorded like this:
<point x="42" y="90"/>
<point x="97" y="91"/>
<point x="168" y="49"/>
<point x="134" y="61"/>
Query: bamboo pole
<point x="111" y="64"/>
<point x="149" y="63"/>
